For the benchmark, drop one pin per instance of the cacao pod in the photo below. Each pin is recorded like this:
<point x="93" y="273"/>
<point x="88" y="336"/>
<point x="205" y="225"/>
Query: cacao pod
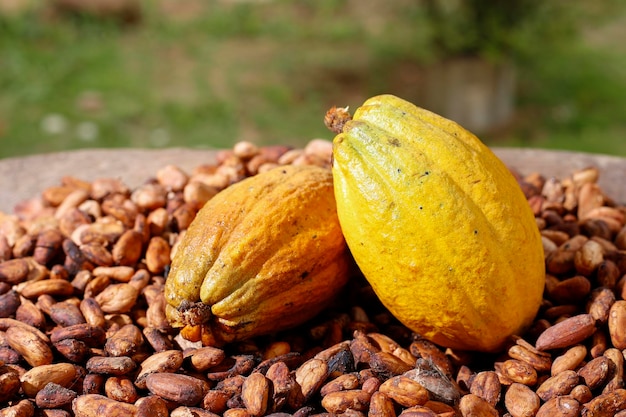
<point x="264" y="254"/>
<point x="437" y="224"/>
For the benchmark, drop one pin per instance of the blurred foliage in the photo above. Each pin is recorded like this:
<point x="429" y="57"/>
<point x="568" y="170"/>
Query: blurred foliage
<point x="495" y="28"/>
<point x="208" y="72"/>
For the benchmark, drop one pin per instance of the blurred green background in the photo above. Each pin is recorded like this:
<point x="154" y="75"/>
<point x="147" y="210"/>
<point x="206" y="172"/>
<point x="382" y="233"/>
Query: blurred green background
<point x="201" y="73"/>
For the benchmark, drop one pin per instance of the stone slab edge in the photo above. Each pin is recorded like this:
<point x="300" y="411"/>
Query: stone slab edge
<point x="26" y="177"/>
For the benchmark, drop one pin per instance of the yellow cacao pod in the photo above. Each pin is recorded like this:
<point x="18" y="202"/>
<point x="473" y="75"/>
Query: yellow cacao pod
<point x="438" y="225"/>
<point x="263" y="255"/>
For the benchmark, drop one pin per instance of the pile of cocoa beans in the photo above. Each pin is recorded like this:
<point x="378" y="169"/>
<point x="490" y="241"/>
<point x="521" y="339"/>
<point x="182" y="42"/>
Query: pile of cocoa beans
<point x="83" y="330"/>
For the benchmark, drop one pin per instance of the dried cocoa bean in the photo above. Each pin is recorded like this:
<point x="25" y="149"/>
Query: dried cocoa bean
<point x="605" y="405"/>
<point x="404" y="391"/>
<point x="473" y="405"/>
<point x="206" y="357"/>
<point x="567" y="332"/>
<point x="166" y="361"/>
<point x="595" y="372"/>
<point x="73" y="350"/>
<point x="600" y="302"/>
<point x="54" y="396"/>
<point x="120" y="365"/>
<point x="125" y="342"/>
<point x="93" y="336"/>
<point x="562" y="406"/>
<point x="486" y="385"/>
<point x="120" y="389"/>
<point x="617" y="324"/>
<point x="286" y="391"/>
<point x="558" y="385"/>
<point x="95" y="405"/>
<point x="339" y="401"/>
<point x="521" y="401"/>
<point x="310" y="376"/>
<point x="438" y="385"/>
<point x="515" y="371"/>
<point x="27" y="343"/>
<point x="36" y="378"/>
<point x="525" y="352"/>
<point x="14" y="271"/>
<point x="569" y="360"/>
<point x="381" y="406"/>
<point x="117" y="298"/>
<point x="184" y="411"/>
<point x="54" y="287"/>
<point x="23" y="408"/>
<point x="341" y="383"/>
<point x="178" y="388"/>
<point x="66" y="314"/>
<point x="9" y="383"/>
<point x="255" y="394"/>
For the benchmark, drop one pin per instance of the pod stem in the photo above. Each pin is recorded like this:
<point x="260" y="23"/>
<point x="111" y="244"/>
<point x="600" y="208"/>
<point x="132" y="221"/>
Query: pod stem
<point x="336" y="118"/>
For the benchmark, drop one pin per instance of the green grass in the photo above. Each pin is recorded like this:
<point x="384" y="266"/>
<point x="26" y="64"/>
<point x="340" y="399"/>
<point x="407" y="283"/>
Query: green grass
<point x="265" y="72"/>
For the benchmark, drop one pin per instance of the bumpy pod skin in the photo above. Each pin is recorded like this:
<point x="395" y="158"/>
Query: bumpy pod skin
<point x="438" y="225"/>
<point x="263" y="255"/>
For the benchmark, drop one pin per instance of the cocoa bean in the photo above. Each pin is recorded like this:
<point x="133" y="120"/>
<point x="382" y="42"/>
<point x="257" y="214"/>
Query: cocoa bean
<point x="617" y="324"/>
<point x="567" y="332"/>
<point x="339" y="402"/>
<point x="473" y="405"/>
<point x="595" y="372"/>
<point x="255" y="394"/>
<point x="341" y="383"/>
<point x="562" y="406"/>
<point x="165" y="361"/>
<point x="181" y="389"/>
<point x="9" y="303"/>
<point x="54" y="396"/>
<point x="14" y="271"/>
<point x="66" y="314"/>
<point x="518" y="371"/>
<point x="54" y="287"/>
<point x="120" y="365"/>
<point x="310" y="376"/>
<point x="23" y="408"/>
<point x="558" y="385"/>
<point x="128" y="249"/>
<point x="9" y="383"/>
<point x="525" y="352"/>
<point x="27" y="343"/>
<point x="93" y="336"/>
<point x="125" y="342"/>
<point x="35" y="379"/>
<point x="404" y="391"/>
<point x="206" y="357"/>
<point x="486" y="385"/>
<point x="569" y="360"/>
<point x="120" y="389"/>
<point x="152" y="406"/>
<point x="605" y="405"/>
<point x="73" y="350"/>
<point x="94" y="405"/>
<point x="117" y="298"/>
<point x="521" y="401"/>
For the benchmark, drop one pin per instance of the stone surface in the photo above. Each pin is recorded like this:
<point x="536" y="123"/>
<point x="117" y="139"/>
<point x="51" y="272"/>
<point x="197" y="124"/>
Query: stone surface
<point x="26" y="177"/>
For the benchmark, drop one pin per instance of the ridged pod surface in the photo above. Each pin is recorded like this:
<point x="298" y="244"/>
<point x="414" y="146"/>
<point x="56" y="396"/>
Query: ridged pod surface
<point x="263" y="255"/>
<point x="438" y="225"/>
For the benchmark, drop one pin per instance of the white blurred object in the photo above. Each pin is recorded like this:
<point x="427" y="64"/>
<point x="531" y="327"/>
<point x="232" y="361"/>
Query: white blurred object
<point x="159" y="138"/>
<point x="54" y="124"/>
<point x="87" y="131"/>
